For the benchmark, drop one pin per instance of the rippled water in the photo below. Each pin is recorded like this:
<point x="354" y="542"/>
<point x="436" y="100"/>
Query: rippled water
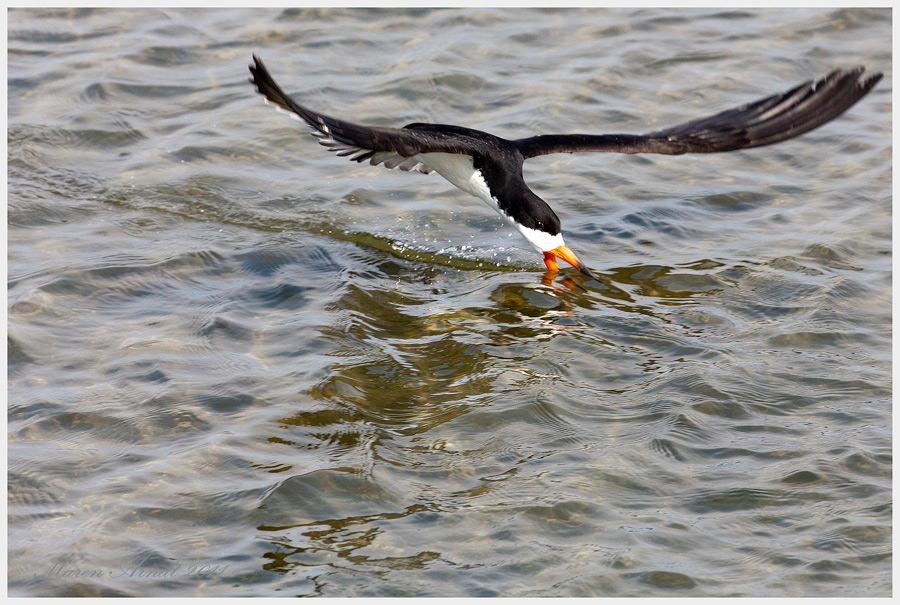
<point x="241" y="366"/>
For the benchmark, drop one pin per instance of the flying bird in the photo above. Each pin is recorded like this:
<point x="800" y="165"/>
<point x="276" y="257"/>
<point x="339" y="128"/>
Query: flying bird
<point x="490" y="167"/>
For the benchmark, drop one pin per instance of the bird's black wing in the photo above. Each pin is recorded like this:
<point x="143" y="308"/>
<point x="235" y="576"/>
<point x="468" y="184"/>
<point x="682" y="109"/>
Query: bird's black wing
<point x="770" y="120"/>
<point x="392" y="147"/>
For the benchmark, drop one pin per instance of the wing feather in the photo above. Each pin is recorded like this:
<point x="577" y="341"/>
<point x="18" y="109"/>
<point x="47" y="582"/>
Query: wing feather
<point x="763" y="122"/>
<point x="392" y="147"/>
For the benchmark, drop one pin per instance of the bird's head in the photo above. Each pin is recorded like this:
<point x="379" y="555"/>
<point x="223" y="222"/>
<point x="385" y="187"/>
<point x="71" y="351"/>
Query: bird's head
<point x="542" y="228"/>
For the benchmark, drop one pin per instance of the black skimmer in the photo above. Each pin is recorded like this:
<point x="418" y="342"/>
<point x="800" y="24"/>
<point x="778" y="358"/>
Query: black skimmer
<point x="490" y="167"/>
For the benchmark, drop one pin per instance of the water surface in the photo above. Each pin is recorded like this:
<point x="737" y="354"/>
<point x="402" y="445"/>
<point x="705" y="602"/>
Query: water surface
<point x="240" y="366"/>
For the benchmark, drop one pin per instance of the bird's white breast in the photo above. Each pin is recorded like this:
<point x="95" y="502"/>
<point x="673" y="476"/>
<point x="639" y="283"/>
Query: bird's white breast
<point x="460" y="170"/>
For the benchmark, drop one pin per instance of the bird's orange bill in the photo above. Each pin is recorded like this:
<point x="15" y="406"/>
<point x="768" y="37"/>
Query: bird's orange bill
<point x="567" y="255"/>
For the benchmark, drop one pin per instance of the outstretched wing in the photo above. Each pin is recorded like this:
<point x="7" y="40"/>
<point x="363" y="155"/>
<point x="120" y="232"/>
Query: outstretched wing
<point x="393" y="147"/>
<point x="763" y="122"/>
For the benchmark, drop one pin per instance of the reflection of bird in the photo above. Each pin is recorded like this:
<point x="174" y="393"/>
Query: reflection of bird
<point x="490" y="168"/>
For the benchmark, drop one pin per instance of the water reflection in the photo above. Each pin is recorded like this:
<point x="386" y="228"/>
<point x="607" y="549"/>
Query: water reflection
<point x="406" y="366"/>
<point x="410" y="361"/>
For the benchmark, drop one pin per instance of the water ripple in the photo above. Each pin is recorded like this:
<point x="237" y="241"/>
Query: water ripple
<point x="240" y="367"/>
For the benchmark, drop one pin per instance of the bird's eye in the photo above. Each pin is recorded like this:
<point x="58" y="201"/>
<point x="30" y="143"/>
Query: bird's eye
<point x="540" y="225"/>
